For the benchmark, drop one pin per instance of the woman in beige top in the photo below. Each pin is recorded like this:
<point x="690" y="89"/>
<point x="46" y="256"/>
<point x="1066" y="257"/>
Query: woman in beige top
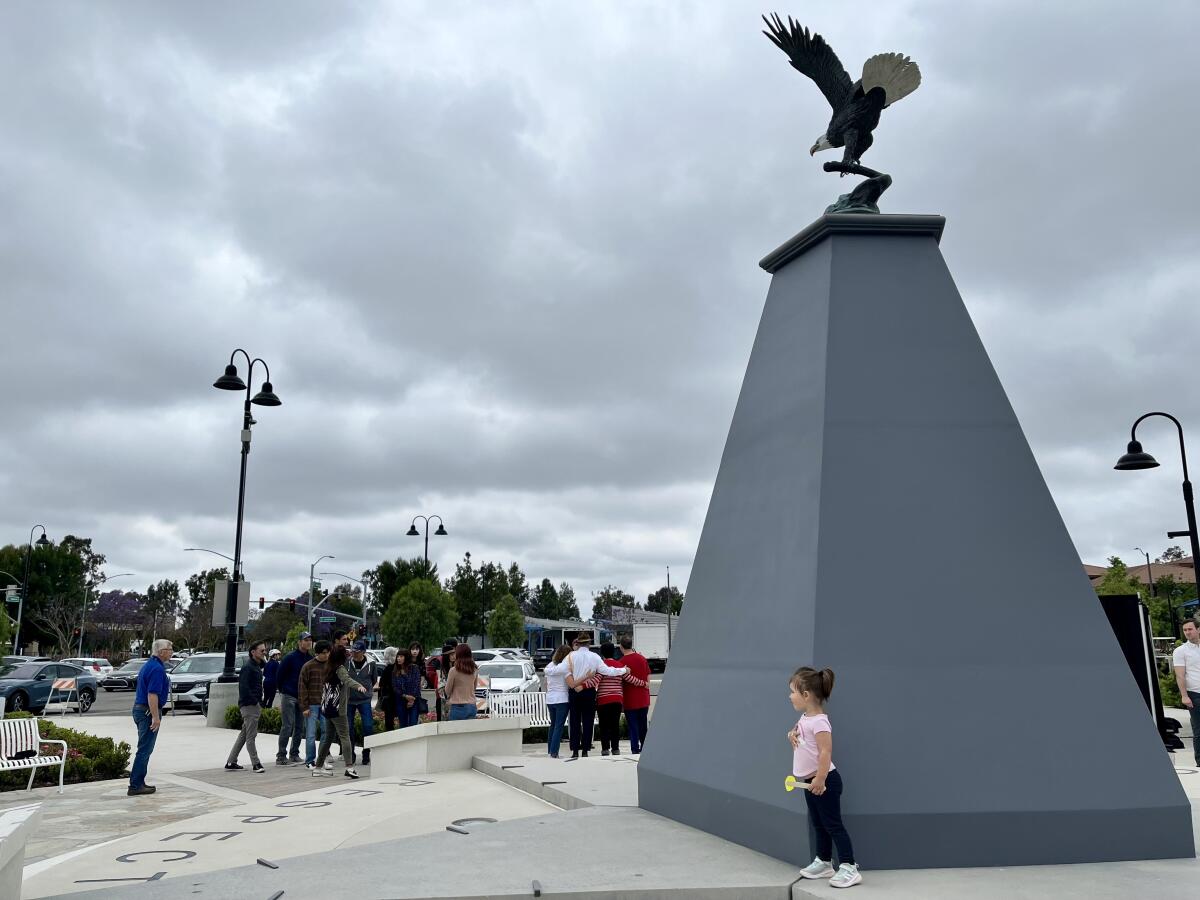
<point x="460" y="684"/>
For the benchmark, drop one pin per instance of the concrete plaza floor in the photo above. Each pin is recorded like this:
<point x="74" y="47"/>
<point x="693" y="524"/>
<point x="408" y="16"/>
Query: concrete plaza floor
<point x="206" y="828"/>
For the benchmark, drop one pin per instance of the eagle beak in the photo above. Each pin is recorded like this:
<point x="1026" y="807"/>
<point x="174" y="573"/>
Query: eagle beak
<point x="813" y="150"/>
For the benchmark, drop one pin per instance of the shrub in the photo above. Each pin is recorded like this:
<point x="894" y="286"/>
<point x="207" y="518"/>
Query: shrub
<point x="268" y="723"/>
<point x="89" y="758"/>
<point x="1170" y="691"/>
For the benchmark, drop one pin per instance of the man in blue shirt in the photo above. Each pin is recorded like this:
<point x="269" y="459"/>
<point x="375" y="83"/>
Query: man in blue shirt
<point x="153" y="685"/>
<point x="291" y="726"/>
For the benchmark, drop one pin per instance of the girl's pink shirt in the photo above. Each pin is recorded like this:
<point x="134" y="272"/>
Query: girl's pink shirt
<point x="804" y="757"/>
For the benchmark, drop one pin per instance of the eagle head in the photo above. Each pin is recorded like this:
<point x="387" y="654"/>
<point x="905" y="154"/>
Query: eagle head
<point x="821" y="144"/>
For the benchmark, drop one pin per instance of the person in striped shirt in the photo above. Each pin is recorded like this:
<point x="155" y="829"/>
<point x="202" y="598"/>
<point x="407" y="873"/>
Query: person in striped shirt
<point x="610" y="691"/>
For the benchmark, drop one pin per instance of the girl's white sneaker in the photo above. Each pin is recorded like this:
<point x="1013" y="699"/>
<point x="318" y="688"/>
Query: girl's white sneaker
<point x="846" y="876"/>
<point x="818" y="868"/>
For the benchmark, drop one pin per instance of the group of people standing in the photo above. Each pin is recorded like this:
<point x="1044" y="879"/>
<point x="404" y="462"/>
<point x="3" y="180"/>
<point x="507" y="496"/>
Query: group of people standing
<point x="582" y="686"/>
<point x="324" y="685"/>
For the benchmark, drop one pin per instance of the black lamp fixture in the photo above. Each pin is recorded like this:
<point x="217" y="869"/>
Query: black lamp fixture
<point x="412" y="531"/>
<point x="1135" y="458"/>
<point x="42" y="541"/>
<point x="266" y="396"/>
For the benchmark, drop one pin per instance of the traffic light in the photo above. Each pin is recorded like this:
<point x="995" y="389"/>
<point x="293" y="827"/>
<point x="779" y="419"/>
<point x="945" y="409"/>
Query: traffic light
<point x="262" y="602"/>
<point x="292" y="605"/>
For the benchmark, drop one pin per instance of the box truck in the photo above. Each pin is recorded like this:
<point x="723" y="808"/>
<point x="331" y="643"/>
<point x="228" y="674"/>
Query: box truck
<point x="651" y="641"/>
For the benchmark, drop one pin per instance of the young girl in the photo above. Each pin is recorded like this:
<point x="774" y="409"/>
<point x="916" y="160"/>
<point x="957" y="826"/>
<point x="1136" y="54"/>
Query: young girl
<point x="812" y="762"/>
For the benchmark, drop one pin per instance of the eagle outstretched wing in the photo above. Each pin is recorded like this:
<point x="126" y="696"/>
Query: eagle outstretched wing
<point x="813" y="57"/>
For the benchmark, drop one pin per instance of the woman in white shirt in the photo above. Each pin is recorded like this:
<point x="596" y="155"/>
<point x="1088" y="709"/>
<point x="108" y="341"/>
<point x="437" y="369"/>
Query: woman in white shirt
<point x="557" y="697"/>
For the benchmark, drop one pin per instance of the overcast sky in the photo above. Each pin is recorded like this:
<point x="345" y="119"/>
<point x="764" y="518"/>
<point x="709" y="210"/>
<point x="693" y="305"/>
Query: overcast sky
<point x="502" y="262"/>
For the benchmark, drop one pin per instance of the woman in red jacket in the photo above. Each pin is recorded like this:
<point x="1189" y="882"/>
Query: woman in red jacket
<point x="637" y="699"/>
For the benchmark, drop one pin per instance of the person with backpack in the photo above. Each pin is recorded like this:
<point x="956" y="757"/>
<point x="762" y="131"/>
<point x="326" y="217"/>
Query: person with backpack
<point x="335" y="698"/>
<point x="363" y="670"/>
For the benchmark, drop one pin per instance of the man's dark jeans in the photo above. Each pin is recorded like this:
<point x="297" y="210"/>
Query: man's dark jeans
<point x="291" y="726"/>
<point x="583" y="719"/>
<point x="638" y="726"/>
<point x="146" y="739"/>
<point x="1194" y="712"/>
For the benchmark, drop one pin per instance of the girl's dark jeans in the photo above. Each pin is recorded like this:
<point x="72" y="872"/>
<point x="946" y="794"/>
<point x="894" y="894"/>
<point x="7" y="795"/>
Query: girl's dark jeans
<point x="825" y="821"/>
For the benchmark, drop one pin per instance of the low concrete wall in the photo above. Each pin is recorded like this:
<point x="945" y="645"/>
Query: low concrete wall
<point x="16" y="825"/>
<point x="221" y="696"/>
<point x="443" y="746"/>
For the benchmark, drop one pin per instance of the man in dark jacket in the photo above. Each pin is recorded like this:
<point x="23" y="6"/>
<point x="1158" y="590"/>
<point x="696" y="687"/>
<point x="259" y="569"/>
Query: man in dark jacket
<point x="362" y="669"/>
<point x="271" y="678"/>
<point x="250" y="696"/>
<point x="291" y="722"/>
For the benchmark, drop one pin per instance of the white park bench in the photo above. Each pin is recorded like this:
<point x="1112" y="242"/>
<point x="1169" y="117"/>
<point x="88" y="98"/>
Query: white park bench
<point x="531" y="704"/>
<point x="21" y="738"/>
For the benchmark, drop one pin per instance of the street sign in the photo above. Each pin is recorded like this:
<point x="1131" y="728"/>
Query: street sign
<point x="327" y="619"/>
<point x="220" y="593"/>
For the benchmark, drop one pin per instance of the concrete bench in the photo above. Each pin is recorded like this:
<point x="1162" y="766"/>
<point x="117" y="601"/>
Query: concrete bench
<point x="443" y="746"/>
<point x="21" y="738"/>
<point x="16" y="825"/>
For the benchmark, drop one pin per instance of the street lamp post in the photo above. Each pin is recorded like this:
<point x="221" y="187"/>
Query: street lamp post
<point x="668" y="608"/>
<point x="362" y="584"/>
<point x="1135" y="458"/>
<point x="42" y="541"/>
<point x="87" y="594"/>
<point x="312" y="589"/>
<point x="230" y="381"/>
<point x="412" y="532"/>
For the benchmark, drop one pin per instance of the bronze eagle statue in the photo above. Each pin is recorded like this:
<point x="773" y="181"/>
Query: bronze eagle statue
<point x="886" y="77"/>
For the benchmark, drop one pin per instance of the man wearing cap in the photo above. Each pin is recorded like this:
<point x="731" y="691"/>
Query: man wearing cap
<point x="362" y="669"/>
<point x="291" y="725"/>
<point x="271" y="678"/>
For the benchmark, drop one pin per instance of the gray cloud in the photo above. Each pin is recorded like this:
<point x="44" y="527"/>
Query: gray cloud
<point x="503" y="264"/>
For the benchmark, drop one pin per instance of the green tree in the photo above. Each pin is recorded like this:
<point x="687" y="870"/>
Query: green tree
<point x="568" y="607"/>
<point x="420" y="611"/>
<point x="544" y="603"/>
<point x="1117" y="579"/>
<point x="292" y="640"/>
<point x="506" y="625"/>
<point x="5" y="629"/>
<point x="1172" y="554"/>
<point x="274" y="625"/>
<point x="518" y="586"/>
<point x="163" y="605"/>
<point x="389" y="576"/>
<point x="657" y="602"/>
<point x="609" y="597"/>
<point x="469" y="600"/>
<point x="196" y="629"/>
<point x="59" y="578"/>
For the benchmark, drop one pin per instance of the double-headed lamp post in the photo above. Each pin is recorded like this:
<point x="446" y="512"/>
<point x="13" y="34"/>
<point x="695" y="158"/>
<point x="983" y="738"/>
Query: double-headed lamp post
<point x="87" y="593"/>
<point x="231" y="381"/>
<point x="412" y="532"/>
<point x="42" y="541"/>
<point x="1136" y="458"/>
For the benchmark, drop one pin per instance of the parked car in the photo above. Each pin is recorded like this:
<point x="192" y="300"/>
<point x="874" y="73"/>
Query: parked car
<point x="20" y="659"/>
<point x="124" y="678"/>
<point x="30" y="686"/>
<point x="542" y="657"/>
<point x="190" y="679"/>
<point x="512" y="652"/>
<point x="508" y="676"/>
<point x="91" y="663"/>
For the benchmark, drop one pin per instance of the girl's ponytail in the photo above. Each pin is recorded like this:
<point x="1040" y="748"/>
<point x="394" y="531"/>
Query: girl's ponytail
<point x="826" y="682"/>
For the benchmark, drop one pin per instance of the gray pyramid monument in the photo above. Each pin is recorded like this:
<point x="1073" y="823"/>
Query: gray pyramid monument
<point x="878" y="511"/>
